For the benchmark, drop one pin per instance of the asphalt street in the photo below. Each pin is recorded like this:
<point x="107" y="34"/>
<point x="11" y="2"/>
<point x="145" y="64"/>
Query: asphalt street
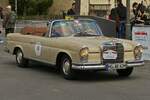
<point x="41" y="82"/>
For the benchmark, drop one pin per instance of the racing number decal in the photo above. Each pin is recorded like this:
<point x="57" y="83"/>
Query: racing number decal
<point x="38" y="49"/>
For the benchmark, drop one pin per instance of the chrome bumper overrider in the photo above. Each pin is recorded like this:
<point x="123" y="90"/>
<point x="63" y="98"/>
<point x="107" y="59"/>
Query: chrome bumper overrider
<point x="103" y="67"/>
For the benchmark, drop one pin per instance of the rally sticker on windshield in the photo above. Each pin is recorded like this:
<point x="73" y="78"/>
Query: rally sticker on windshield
<point x="38" y="49"/>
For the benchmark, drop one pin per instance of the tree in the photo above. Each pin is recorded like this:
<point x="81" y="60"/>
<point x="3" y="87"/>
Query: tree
<point x="31" y="7"/>
<point x="42" y="6"/>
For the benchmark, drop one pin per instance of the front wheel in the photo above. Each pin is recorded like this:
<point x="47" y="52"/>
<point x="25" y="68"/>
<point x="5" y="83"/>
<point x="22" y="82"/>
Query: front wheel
<point x="21" y="61"/>
<point x="125" y="72"/>
<point x="66" y="67"/>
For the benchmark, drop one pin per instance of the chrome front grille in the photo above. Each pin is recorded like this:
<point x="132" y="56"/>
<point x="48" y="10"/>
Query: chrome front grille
<point x="118" y="47"/>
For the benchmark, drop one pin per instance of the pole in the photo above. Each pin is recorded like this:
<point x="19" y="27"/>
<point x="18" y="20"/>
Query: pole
<point x="128" y="26"/>
<point x="16" y="6"/>
<point x="88" y="7"/>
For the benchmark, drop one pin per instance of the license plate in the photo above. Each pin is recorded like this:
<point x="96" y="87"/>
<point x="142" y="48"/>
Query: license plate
<point x="109" y="54"/>
<point x="115" y="66"/>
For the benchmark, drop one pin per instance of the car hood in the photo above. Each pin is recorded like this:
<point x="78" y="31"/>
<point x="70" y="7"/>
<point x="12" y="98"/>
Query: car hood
<point x="94" y="43"/>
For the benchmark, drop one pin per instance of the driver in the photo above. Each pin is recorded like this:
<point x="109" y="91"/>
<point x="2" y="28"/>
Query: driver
<point x="57" y="31"/>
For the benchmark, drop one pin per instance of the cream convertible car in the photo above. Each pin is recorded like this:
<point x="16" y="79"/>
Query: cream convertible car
<point x="74" y="45"/>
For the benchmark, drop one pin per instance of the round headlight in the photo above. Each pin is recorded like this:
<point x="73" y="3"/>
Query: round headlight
<point x="84" y="52"/>
<point x="138" y="52"/>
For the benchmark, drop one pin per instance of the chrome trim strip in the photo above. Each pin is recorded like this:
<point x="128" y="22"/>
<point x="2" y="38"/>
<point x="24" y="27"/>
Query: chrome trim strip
<point x="128" y="50"/>
<point x="88" y="67"/>
<point x="136" y="61"/>
<point x="93" y="52"/>
<point x="135" y="64"/>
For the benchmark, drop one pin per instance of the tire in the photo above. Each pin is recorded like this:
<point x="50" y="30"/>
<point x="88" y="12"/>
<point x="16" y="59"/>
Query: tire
<point x="125" y="72"/>
<point x="66" y="67"/>
<point x="20" y="60"/>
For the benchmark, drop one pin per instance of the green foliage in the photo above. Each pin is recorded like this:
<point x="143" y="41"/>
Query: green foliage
<point x="31" y="7"/>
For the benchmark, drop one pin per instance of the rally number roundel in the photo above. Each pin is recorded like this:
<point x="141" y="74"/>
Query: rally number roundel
<point x="38" y="49"/>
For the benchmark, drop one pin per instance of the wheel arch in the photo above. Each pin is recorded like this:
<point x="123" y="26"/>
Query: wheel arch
<point x="60" y="55"/>
<point x="17" y="48"/>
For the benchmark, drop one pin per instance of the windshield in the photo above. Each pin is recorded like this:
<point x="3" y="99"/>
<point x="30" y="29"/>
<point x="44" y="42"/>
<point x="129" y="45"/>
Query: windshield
<point x="75" y="28"/>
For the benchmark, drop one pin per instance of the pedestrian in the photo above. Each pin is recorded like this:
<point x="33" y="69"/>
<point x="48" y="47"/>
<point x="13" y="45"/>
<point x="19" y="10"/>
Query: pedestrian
<point x="113" y="14"/>
<point x="1" y="13"/>
<point x="139" y="13"/>
<point x="72" y="10"/>
<point x="121" y="11"/>
<point x="136" y="18"/>
<point x="141" y="8"/>
<point x="134" y="9"/>
<point x="1" y="17"/>
<point x="9" y="20"/>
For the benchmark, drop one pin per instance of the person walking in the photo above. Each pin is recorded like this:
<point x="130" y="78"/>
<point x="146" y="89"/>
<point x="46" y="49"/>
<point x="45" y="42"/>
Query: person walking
<point x="9" y="20"/>
<point x="134" y="9"/>
<point x="121" y="11"/>
<point x="1" y="13"/>
<point x="113" y="14"/>
<point x="1" y="17"/>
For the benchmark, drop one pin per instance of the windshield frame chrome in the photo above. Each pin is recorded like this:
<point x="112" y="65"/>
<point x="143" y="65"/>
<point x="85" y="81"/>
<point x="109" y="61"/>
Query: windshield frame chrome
<point x="53" y="21"/>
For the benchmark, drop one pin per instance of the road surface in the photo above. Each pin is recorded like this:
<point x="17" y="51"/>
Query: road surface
<point x="41" y="82"/>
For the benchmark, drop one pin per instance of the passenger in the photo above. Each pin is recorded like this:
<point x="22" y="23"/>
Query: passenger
<point x="56" y="31"/>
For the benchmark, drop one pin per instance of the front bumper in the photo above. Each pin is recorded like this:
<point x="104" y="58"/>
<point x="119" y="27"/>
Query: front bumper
<point x="104" y="67"/>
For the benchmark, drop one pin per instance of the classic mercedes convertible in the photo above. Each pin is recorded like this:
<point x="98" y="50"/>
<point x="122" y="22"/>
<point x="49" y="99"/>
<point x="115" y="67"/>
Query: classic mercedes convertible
<point x="76" y="44"/>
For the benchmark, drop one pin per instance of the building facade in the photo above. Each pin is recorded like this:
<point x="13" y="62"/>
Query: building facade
<point x="3" y="3"/>
<point x="59" y="6"/>
<point x="83" y="7"/>
<point x="102" y="7"/>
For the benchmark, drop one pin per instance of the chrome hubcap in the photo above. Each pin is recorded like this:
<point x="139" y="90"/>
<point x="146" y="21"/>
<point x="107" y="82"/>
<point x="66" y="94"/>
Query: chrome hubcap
<point x="19" y="57"/>
<point x="66" y="67"/>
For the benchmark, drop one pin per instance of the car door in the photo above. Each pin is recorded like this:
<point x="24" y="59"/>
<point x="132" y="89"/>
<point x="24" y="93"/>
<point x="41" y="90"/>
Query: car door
<point x="46" y="48"/>
<point x="28" y="45"/>
<point x="37" y="45"/>
<point x="48" y="44"/>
